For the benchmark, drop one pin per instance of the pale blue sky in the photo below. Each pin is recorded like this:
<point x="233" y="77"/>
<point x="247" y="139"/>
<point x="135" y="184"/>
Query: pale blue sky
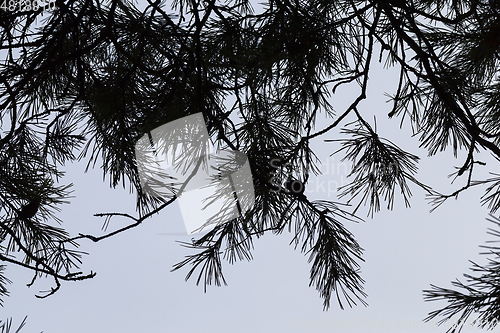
<point x="134" y="291"/>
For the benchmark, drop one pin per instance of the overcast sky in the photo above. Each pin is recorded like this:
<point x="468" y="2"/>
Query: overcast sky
<point x="406" y="250"/>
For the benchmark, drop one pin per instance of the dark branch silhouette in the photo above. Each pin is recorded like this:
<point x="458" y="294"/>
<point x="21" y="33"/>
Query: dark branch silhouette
<point x="91" y="79"/>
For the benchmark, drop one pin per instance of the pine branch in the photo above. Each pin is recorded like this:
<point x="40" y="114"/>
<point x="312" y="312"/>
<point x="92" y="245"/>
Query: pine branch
<point x="478" y="296"/>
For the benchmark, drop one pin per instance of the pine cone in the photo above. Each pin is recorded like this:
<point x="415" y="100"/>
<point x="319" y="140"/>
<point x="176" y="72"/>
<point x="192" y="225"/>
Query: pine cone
<point x="30" y="210"/>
